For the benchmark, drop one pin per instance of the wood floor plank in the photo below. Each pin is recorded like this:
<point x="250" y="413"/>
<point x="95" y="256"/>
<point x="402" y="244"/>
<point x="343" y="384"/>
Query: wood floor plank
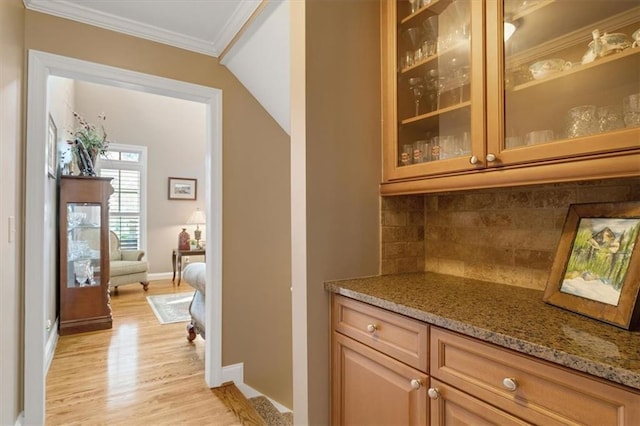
<point x="233" y="398"/>
<point x="140" y="372"/>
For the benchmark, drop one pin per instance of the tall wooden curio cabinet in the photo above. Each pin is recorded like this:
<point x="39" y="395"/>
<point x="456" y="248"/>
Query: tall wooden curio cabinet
<point x="84" y="254"/>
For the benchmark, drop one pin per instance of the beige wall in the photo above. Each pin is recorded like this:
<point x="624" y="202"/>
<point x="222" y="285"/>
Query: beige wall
<point x="174" y="132"/>
<point x="343" y="166"/>
<point x="256" y="259"/>
<point x="11" y="160"/>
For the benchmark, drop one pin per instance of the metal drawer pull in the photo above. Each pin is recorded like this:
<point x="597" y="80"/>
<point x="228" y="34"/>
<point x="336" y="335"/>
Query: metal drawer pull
<point x="416" y="384"/>
<point x="371" y="327"/>
<point x="433" y="393"/>
<point x="510" y="384"/>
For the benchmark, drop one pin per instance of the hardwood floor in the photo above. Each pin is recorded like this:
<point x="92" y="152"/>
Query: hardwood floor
<point x="140" y="372"/>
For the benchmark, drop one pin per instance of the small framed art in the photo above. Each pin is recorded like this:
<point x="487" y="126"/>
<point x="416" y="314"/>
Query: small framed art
<point x="183" y="188"/>
<point x="596" y="271"/>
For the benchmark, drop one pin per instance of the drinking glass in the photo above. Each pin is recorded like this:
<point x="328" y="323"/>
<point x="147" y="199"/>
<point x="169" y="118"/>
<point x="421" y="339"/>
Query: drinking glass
<point x="581" y="121"/>
<point x="631" y="109"/>
<point x="417" y="90"/>
<point x="609" y="118"/>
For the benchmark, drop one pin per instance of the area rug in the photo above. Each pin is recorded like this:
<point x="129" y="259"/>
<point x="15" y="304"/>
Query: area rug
<point x="170" y="308"/>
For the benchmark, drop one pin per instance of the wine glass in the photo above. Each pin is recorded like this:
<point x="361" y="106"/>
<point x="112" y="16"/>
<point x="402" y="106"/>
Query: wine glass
<point x="417" y="90"/>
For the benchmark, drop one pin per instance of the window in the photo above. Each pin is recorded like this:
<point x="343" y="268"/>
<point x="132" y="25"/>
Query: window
<point x="126" y="165"/>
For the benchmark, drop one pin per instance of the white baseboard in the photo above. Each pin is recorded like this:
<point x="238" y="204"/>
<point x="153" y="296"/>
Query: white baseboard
<point x="235" y="373"/>
<point x="160" y="276"/>
<point x="20" y="419"/>
<point x="50" y="347"/>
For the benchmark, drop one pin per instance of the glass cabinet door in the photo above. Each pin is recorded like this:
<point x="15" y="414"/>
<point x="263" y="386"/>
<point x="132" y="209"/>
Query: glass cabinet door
<point x="83" y="245"/>
<point x="437" y="82"/>
<point x="570" y="77"/>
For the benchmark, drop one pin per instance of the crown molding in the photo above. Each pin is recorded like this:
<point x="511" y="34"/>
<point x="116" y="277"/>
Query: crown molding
<point x="86" y="15"/>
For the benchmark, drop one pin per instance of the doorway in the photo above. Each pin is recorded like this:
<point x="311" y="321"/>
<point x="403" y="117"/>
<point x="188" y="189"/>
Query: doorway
<point x="41" y="66"/>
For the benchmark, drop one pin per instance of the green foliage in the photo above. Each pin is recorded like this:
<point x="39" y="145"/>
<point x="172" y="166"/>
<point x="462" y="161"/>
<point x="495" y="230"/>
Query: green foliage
<point x="93" y="137"/>
<point x="611" y="267"/>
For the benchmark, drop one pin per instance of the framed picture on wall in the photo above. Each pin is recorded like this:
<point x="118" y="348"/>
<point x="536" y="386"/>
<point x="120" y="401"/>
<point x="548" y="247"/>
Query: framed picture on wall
<point x="596" y="271"/>
<point x="183" y="188"/>
<point x="52" y="147"/>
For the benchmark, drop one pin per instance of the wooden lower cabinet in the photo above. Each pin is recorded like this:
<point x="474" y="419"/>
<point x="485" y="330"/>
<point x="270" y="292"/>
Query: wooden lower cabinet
<point x="370" y="388"/>
<point x="450" y="406"/>
<point x="467" y="382"/>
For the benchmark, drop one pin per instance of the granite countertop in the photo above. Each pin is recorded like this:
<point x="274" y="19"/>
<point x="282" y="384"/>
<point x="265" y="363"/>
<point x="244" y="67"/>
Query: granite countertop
<point x="511" y="317"/>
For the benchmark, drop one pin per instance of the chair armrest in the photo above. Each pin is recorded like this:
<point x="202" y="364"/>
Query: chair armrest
<point x="132" y="254"/>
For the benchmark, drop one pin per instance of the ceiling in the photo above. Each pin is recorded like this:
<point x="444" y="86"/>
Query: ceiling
<point x="203" y="26"/>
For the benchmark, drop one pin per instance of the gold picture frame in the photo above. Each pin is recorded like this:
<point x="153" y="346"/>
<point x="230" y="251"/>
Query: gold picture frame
<point x="596" y="271"/>
<point x="183" y="188"/>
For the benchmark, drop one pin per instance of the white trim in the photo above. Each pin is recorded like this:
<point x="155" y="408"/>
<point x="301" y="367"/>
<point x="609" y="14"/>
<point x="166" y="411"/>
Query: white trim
<point x="235" y="373"/>
<point x="50" y="348"/>
<point x="20" y="419"/>
<point x="88" y="15"/>
<point x="160" y="276"/>
<point x="41" y="66"/>
<point x="299" y="215"/>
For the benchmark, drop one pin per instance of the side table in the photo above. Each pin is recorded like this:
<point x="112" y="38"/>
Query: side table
<point x="176" y="260"/>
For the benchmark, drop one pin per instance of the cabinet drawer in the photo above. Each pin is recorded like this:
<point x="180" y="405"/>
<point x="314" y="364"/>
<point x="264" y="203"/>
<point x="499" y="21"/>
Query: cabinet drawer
<point x="399" y="337"/>
<point x="452" y="407"/>
<point x="543" y="394"/>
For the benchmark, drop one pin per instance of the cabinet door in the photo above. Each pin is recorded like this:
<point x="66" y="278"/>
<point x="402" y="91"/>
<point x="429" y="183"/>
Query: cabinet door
<point x="370" y="388"/>
<point x="566" y="83"/>
<point x="449" y="406"/>
<point x="433" y="86"/>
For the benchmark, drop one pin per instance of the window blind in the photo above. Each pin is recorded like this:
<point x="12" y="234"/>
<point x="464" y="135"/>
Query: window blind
<point x="125" y="206"/>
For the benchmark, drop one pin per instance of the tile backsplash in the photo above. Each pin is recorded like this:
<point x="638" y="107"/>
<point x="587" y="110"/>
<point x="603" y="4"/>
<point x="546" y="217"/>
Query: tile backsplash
<point x="506" y="235"/>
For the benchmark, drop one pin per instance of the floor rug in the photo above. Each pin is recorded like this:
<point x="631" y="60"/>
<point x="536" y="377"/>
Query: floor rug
<point x="170" y="308"/>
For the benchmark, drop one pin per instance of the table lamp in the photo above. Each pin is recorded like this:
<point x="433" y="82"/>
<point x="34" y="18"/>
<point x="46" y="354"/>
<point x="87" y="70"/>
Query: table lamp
<point x="197" y="218"/>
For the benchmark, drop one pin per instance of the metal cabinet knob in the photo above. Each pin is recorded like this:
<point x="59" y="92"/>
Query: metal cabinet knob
<point x="491" y="157"/>
<point x="371" y="327"/>
<point x="416" y="384"/>
<point x="510" y="384"/>
<point x="433" y="393"/>
<point x="473" y="159"/>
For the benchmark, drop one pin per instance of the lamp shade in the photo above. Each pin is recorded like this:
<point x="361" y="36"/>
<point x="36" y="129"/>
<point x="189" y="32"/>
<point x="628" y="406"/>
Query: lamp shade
<point x="197" y="218"/>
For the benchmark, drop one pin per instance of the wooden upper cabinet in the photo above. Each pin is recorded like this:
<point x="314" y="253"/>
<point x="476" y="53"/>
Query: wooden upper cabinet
<point x="558" y="101"/>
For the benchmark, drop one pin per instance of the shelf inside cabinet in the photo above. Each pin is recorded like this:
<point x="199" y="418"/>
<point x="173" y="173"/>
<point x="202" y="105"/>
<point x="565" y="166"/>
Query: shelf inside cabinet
<point x="433" y="8"/>
<point x="434" y="115"/>
<point x="625" y="64"/>
<point x="460" y="50"/>
<point x="545" y="29"/>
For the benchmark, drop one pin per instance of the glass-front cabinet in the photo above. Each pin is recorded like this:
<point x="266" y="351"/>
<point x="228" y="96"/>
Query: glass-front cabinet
<point x="433" y="68"/>
<point x="84" y="254"/>
<point x="471" y="87"/>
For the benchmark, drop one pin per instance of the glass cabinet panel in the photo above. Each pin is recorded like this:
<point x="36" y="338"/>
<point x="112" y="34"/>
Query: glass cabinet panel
<point x="571" y="71"/>
<point x="83" y="244"/>
<point x="434" y="80"/>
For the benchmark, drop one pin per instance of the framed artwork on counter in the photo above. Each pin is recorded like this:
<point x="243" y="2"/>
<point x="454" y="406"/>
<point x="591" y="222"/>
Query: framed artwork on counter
<point x="596" y="271"/>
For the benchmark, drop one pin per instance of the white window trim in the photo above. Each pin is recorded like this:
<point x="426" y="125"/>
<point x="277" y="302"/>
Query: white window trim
<point x="141" y="166"/>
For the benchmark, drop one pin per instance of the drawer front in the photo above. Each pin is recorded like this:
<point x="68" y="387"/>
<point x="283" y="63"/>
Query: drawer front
<point x="452" y="407"/>
<point x="543" y="393"/>
<point x="399" y="337"/>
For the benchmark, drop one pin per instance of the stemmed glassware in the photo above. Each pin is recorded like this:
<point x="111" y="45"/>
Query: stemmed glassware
<point x="417" y="90"/>
<point x="414" y="36"/>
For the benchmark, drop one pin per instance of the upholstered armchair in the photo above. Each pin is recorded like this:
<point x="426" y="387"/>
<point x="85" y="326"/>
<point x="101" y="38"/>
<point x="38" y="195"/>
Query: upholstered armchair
<point x="126" y="266"/>
<point x="194" y="275"/>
